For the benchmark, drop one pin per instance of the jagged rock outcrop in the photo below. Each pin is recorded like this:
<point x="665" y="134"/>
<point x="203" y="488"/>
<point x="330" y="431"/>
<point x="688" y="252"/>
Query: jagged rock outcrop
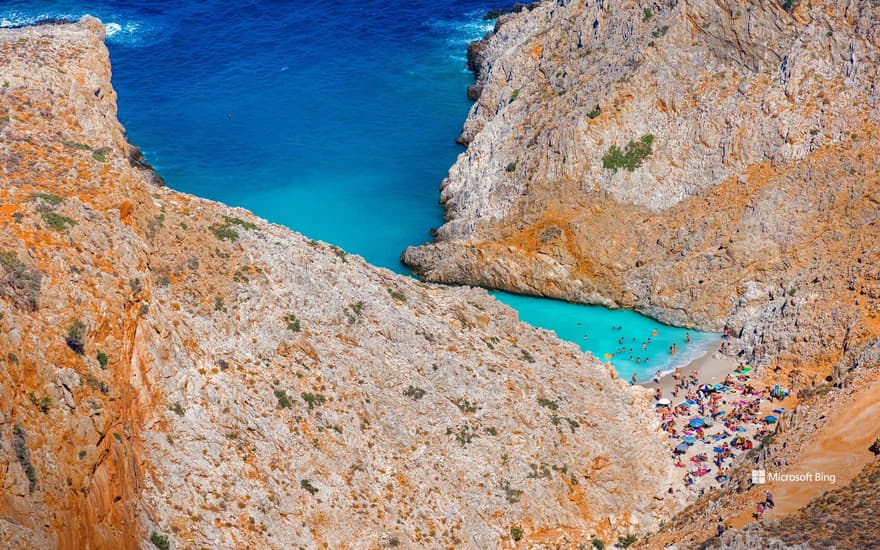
<point x="706" y="163"/>
<point x="174" y="368"/>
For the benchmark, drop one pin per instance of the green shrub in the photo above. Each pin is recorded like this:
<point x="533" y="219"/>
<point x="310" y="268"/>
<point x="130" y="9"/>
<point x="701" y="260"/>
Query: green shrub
<point x="23" y="455"/>
<point x="177" y="408"/>
<point x="627" y="541"/>
<point x="357" y="307"/>
<point x="160" y="541"/>
<point x="397" y="295"/>
<point x="594" y="113"/>
<point x="218" y="304"/>
<point x="93" y="382"/>
<point x="76" y="336"/>
<point x="100" y="154"/>
<point x="293" y="323"/>
<point x="511" y="495"/>
<point x="54" y="220"/>
<point x="631" y="156"/>
<point x="283" y="400"/>
<point x="313" y="399"/>
<point x="307" y="485"/>
<point x="224" y="232"/>
<point x="466" y="406"/>
<point x="516" y="533"/>
<point x="598" y="544"/>
<point x="660" y="32"/>
<point x="102" y="359"/>
<point x="550" y="404"/>
<point x="539" y="471"/>
<point x="19" y="282"/>
<point x="48" y="198"/>
<point x="647" y="14"/>
<point x="414" y="393"/>
<point x="511" y="167"/>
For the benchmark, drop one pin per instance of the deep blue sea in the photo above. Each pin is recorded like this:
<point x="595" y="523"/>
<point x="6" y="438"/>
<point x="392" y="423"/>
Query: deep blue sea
<point x="336" y="119"/>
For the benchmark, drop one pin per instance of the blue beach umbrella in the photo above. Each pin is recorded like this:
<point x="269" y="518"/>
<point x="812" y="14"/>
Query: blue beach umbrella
<point x="696" y="423"/>
<point x="770" y="419"/>
<point x="690" y="439"/>
<point x="681" y="448"/>
<point x="718" y="450"/>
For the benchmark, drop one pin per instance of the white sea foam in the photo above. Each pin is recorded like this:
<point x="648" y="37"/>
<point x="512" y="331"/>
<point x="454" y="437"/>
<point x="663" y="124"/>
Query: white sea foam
<point x="130" y="33"/>
<point x="689" y="354"/>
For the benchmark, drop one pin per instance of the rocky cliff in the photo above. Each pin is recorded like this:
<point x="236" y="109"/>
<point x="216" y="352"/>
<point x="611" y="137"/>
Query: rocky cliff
<point x="708" y="163"/>
<point x="178" y="373"/>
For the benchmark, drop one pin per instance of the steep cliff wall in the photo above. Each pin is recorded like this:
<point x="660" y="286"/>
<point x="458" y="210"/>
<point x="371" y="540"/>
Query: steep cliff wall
<point x="707" y="163"/>
<point x="174" y="366"/>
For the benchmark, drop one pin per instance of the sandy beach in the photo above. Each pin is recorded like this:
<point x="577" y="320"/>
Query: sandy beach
<point x="711" y="368"/>
<point x="731" y="410"/>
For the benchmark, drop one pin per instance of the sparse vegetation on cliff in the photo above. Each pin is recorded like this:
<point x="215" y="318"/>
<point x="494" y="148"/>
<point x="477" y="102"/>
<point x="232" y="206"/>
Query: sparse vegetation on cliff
<point x="631" y="156"/>
<point x="76" y="336"/>
<point x="19" y="282"/>
<point x="397" y="295"/>
<point x="283" y="400"/>
<point x="307" y="485"/>
<point x="293" y="322"/>
<point x="19" y="443"/>
<point x="160" y="541"/>
<point x="226" y="231"/>
<point x="313" y="399"/>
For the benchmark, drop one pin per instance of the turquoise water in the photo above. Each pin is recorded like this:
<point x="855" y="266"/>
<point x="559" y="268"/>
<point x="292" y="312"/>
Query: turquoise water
<point x="335" y="119"/>
<point x="611" y="334"/>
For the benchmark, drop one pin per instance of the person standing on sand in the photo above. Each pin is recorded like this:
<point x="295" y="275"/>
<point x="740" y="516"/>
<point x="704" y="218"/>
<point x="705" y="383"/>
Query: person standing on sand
<point x="634" y="379"/>
<point x="768" y="499"/>
<point x="760" y="513"/>
<point x="657" y="377"/>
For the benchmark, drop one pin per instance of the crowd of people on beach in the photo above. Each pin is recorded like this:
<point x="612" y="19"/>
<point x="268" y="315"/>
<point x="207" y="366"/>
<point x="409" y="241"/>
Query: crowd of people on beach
<point x="714" y="423"/>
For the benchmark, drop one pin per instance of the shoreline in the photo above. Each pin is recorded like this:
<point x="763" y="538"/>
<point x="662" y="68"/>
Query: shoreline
<point x="712" y="367"/>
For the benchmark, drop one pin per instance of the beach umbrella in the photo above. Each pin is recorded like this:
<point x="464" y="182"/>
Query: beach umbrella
<point x="696" y="423"/>
<point x="681" y="448"/>
<point x="690" y="439"/>
<point x="663" y="402"/>
<point x="708" y="422"/>
<point x="718" y="450"/>
<point x="770" y="419"/>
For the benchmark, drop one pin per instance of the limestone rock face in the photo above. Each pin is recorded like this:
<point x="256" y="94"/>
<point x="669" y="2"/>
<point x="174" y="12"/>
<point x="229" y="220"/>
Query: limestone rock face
<point x="756" y="206"/>
<point x="172" y="366"/>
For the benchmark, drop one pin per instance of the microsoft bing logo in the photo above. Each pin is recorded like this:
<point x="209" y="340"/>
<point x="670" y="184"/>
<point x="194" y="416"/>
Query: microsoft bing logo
<point x="759" y="477"/>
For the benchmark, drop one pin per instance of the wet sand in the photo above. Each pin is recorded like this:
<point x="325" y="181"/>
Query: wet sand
<point x="711" y="368"/>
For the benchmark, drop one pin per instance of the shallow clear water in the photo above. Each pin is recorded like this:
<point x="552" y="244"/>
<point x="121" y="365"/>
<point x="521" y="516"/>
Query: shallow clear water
<point x="334" y="119"/>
